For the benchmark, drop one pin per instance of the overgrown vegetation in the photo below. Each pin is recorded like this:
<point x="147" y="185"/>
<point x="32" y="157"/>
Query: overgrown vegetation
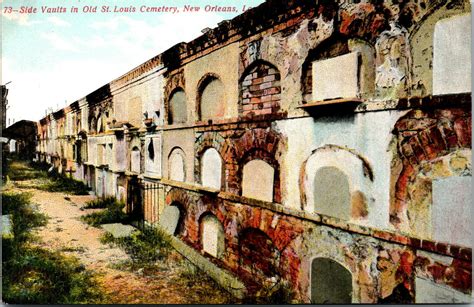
<point x="61" y="183"/>
<point x="20" y="171"/>
<point x="277" y="294"/>
<point x="113" y="212"/>
<point x="51" y="181"/>
<point x="33" y="275"/>
<point x="144" y="247"/>
<point x="100" y="203"/>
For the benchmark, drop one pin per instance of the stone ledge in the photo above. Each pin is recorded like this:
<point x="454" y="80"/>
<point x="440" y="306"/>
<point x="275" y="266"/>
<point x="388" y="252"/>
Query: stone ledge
<point x="226" y="280"/>
<point x="430" y="101"/>
<point x="455" y="251"/>
<point x="216" y="124"/>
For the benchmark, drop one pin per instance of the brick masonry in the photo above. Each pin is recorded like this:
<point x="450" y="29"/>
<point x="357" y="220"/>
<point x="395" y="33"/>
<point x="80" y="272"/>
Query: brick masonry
<point x="260" y="90"/>
<point x="423" y="136"/>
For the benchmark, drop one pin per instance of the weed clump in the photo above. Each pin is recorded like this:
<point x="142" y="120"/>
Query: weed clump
<point x="100" y="203"/>
<point x="61" y="183"/>
<point x="144" y="247"/>
<point x="113" y="212"/>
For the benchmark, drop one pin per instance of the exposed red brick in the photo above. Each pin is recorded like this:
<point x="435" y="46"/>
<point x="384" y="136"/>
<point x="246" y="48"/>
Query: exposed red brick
<point x="441" y="247"/>
<point x="466" y="254"/>
<point x="416" y="243"/>
<point x="428" y="245"/>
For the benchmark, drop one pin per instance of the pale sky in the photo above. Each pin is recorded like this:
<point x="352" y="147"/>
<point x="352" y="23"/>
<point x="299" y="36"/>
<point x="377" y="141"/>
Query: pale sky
<point x="54" y="59"/>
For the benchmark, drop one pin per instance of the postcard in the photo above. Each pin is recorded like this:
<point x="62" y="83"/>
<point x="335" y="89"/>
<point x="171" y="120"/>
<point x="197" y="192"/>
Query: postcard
<point x="236" y="152"/>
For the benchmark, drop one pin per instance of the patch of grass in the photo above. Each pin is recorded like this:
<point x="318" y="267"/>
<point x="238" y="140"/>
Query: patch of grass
<point x="54" y="182"/>
<point x="38" y="276"/>
<point x="113" y="213"/>
<point x="21" y="170"/>
<point x="189" y="271"/>
<point x="100" y="203"/>
<point x="23" y="215"/>
<point x="12" y="201"/>
<point x="144" y="247"/>
<point x="61" y="183"/>
<point x="33" y="275"/>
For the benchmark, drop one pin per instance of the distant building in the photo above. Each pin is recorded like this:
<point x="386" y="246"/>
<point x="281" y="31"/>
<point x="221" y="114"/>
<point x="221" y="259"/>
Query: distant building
<point x="22" y="138"/>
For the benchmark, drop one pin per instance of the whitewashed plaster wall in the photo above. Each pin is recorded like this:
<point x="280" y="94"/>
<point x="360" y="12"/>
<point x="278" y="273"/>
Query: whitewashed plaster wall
<point x="84" y="114"/>
<point x="149" y="90"/>
<point x="368" y="134"/>
<point x="223" y="63"/>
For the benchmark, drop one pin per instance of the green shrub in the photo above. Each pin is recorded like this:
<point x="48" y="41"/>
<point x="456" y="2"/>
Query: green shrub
<point x="11" y="201"/>
<point x="113" y="213"/>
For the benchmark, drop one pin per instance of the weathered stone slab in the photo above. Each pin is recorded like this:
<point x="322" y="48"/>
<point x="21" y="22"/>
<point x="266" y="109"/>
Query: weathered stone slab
<point x="331" y="193"/>
<point x="336" y="77"/>
<point x="212" y="236"/>
<point x="222" y="277"/>
<point x="119" y="230"/>
<point x="331" y="283"/>
<point x="212" y="169"/>
<point x="452" y="55"/>
<point x="257" y="180"/>
<point x="428" y="292"/>
<point x="177" y="171"/>
<point x="451" y="217"/>
<point x="169" y="219"/>
<point x="6" y="225"/>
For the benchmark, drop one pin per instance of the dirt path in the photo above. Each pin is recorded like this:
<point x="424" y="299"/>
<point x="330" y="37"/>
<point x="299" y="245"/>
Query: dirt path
<point x="167" y="283"/>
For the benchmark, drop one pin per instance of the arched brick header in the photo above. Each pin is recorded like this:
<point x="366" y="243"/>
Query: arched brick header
<point x="264" y="144"/>
<point x="421" y="137"/>
<point x="183" y="201"/>
<point x="202" y="84"/>
<point x="260" y="89"/>
<point x="175" y="82"/>
<point x="282" y="257"/>
<point x="180" y="196"/>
